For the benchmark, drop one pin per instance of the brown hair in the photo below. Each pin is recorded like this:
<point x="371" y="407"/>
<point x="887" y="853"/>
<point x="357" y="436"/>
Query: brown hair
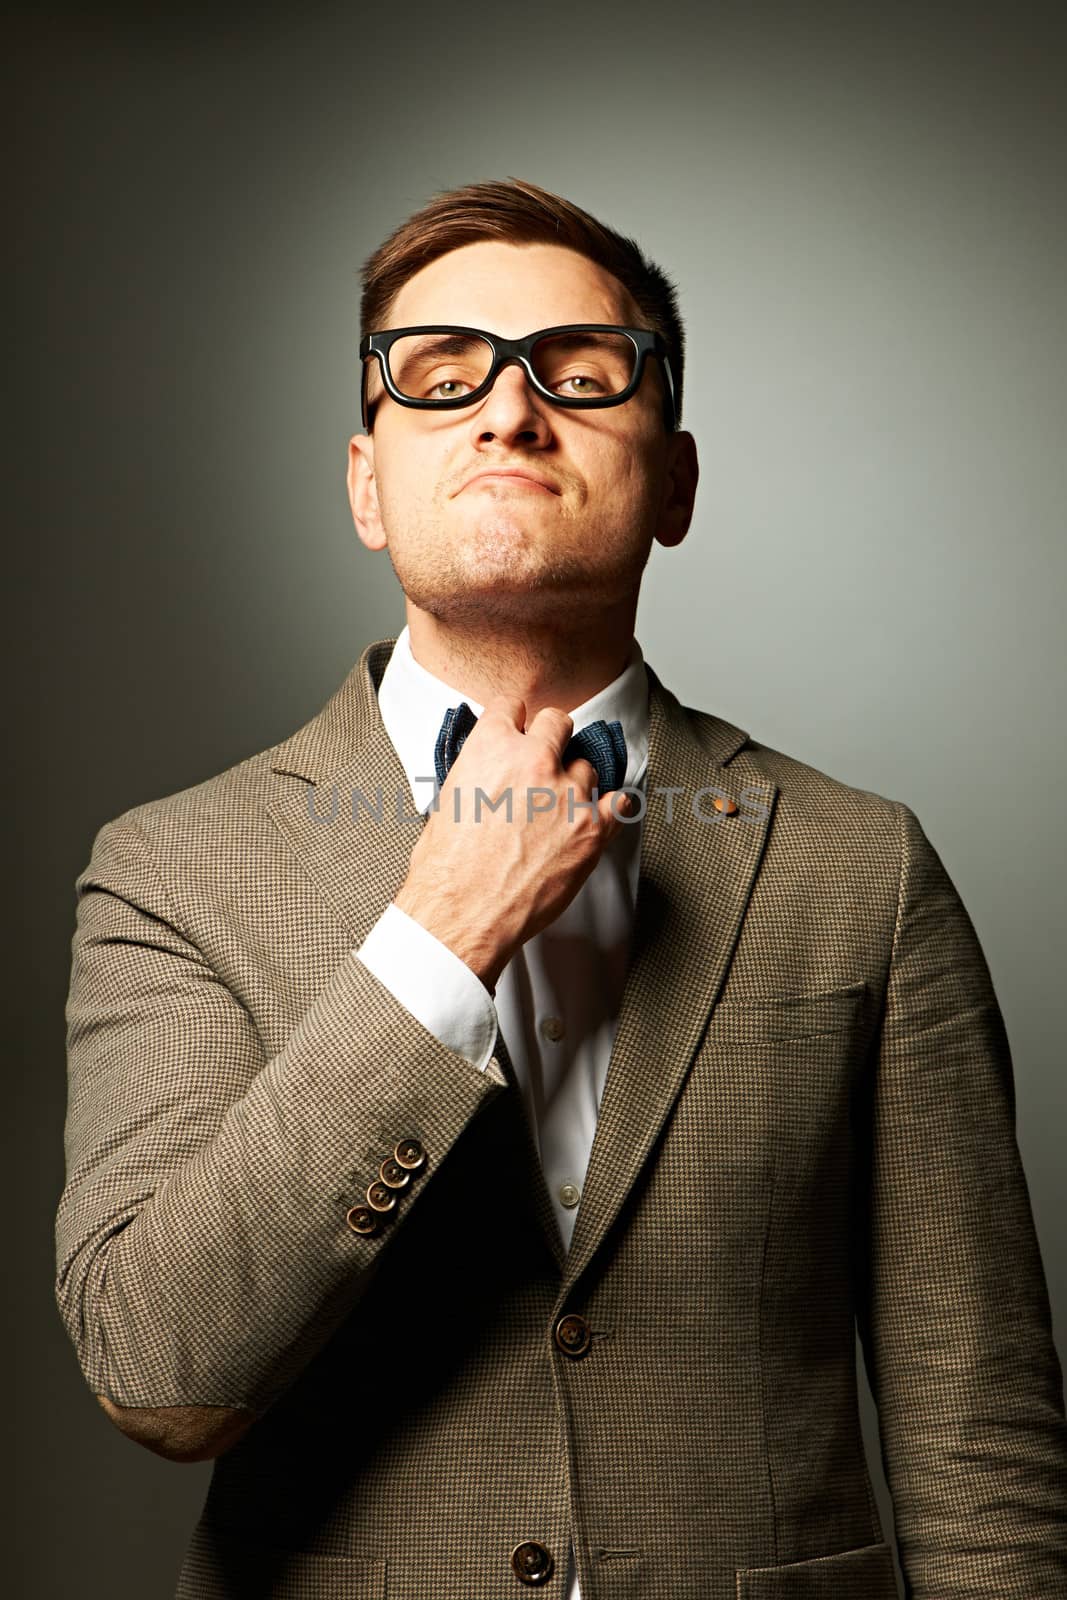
<point x="524" y="214"/>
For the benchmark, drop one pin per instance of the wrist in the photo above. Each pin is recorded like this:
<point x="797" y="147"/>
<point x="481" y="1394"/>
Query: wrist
<point x="474" y="946"/>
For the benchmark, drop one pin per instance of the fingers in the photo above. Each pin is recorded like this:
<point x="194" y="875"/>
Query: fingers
<point x="506" y="705"/>
<point x="613" y="804"/>
<point x="553" y="727"/>
<point x="583" y="772"/>
<point x="550" y="726"/>
<point x="615" y="807"/>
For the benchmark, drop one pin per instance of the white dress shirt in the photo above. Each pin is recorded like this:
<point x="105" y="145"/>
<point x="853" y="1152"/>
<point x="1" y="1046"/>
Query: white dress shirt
<point x="557" y="1000"/>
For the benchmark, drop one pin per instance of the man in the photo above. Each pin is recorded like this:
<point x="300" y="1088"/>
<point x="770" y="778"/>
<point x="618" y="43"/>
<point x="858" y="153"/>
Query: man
<point x="494" y="1108"/>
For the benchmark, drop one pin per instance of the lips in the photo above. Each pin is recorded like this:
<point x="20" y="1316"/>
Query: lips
<point x="522" y="474"/>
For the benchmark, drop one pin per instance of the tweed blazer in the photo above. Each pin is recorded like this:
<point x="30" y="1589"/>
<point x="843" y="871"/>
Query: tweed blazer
<point x="807" y="1129"/>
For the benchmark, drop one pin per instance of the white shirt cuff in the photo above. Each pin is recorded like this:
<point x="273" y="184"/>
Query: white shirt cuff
<point x="435" y="984"/>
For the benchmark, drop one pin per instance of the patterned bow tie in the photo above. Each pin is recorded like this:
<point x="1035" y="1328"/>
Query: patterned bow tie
<point x="601" y="742"/>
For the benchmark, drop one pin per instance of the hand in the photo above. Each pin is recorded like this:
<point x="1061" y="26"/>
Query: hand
<point x="485" y="884"/>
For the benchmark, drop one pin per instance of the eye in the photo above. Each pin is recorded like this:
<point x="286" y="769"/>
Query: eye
<point x="591" y="384"/>
<point x="454" y="385"/>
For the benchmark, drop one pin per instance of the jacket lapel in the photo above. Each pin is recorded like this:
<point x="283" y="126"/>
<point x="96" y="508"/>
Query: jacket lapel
<point x="345" y="819"/>
<point x="695" y="879"/>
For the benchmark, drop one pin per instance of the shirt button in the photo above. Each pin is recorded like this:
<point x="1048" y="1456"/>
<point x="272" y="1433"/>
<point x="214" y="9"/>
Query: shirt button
<point x="552" y="1029"/>
<point x="569" y="1195"/>
<point x="531" y="1562"/>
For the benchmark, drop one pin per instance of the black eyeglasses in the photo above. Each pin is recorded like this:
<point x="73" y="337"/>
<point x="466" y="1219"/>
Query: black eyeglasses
<point x="444" y="366"/>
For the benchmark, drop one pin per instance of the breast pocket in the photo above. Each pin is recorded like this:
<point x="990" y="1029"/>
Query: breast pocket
<point x="789" y="1016"/>
<point x="769" y="1105"/>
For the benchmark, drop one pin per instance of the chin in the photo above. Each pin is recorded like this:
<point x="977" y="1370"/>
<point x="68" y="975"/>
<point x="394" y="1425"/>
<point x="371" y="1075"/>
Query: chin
<point x="518" y="605"/>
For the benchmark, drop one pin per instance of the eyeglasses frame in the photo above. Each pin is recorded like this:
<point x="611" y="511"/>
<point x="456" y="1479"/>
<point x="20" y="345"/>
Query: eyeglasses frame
<point x="647" y="341"/>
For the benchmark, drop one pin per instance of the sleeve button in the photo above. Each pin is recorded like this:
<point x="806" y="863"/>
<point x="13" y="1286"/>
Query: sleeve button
<point x="380" y="1197"/>
<point x="361" y="1219"/>
<point x="410" y="1155"/>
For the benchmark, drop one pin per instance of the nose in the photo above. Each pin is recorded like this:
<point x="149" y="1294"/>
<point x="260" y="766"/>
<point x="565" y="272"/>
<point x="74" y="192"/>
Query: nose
<point x="512" y="409"/>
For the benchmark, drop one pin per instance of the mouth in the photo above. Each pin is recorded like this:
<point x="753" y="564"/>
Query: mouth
<point x="517" y="480"/>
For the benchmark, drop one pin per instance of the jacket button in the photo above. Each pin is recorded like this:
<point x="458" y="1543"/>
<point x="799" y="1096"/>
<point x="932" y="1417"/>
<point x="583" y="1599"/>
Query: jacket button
<point x="410" y="1155"/>
<point x="380" y="1197"/>
<point x="393" y="1175"/>
<point x="531" y="1562"/>
<point x="361" y="1219"/>
<point x="573" y="1335"/>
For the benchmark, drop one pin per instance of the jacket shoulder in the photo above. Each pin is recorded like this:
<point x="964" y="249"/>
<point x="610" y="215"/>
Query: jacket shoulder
<point x="801" y="785"/>
<point x="237" y="792"/>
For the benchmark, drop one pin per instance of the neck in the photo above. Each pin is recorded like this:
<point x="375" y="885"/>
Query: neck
<point x="541" y="666"/>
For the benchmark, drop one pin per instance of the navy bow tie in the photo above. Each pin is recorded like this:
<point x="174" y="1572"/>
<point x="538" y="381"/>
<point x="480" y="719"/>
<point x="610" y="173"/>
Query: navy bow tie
<point x="601" y="742"/>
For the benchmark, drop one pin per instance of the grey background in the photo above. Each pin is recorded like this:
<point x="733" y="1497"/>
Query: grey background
<point x="863" y="211"/>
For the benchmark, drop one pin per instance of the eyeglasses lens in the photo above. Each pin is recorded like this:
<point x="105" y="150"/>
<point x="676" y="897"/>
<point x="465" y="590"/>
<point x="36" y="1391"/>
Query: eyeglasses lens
<point x="588" y="365"/>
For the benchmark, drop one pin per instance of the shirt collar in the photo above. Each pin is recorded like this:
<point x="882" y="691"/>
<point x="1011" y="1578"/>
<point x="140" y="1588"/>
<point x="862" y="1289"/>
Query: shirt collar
<point x="412" y="702"/>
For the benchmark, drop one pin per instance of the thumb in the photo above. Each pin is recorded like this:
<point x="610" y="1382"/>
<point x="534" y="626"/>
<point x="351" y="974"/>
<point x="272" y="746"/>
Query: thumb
<point x="615" y="807"/>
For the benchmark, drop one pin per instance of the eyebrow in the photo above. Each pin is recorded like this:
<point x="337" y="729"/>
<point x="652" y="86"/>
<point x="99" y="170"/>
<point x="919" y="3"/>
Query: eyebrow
<point x="572" y="340"/>
<point x="444" y="344"/>
<point x="456" y="343"/>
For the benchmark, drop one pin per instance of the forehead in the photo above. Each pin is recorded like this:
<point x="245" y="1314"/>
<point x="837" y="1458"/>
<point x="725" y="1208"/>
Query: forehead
<point x="512" y="289"/>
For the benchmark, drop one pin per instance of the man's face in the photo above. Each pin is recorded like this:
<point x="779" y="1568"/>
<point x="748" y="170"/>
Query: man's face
<point x="507" y="551"/>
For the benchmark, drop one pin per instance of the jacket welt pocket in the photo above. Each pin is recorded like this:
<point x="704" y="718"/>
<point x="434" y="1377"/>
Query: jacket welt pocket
<point x="219" y="1566"/>
<point x="791" y="1016"/>
<point x="864" y="1574"/>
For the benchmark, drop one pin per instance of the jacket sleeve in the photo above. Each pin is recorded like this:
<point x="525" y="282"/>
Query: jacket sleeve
<point x="434" y="983"/>
<point x="954" y="1316"/>
<point x="203" y="1250"/>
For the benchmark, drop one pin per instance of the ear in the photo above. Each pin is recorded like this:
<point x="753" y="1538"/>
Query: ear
<point x="363" y="492"/>
<point x="680" y="489"/>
